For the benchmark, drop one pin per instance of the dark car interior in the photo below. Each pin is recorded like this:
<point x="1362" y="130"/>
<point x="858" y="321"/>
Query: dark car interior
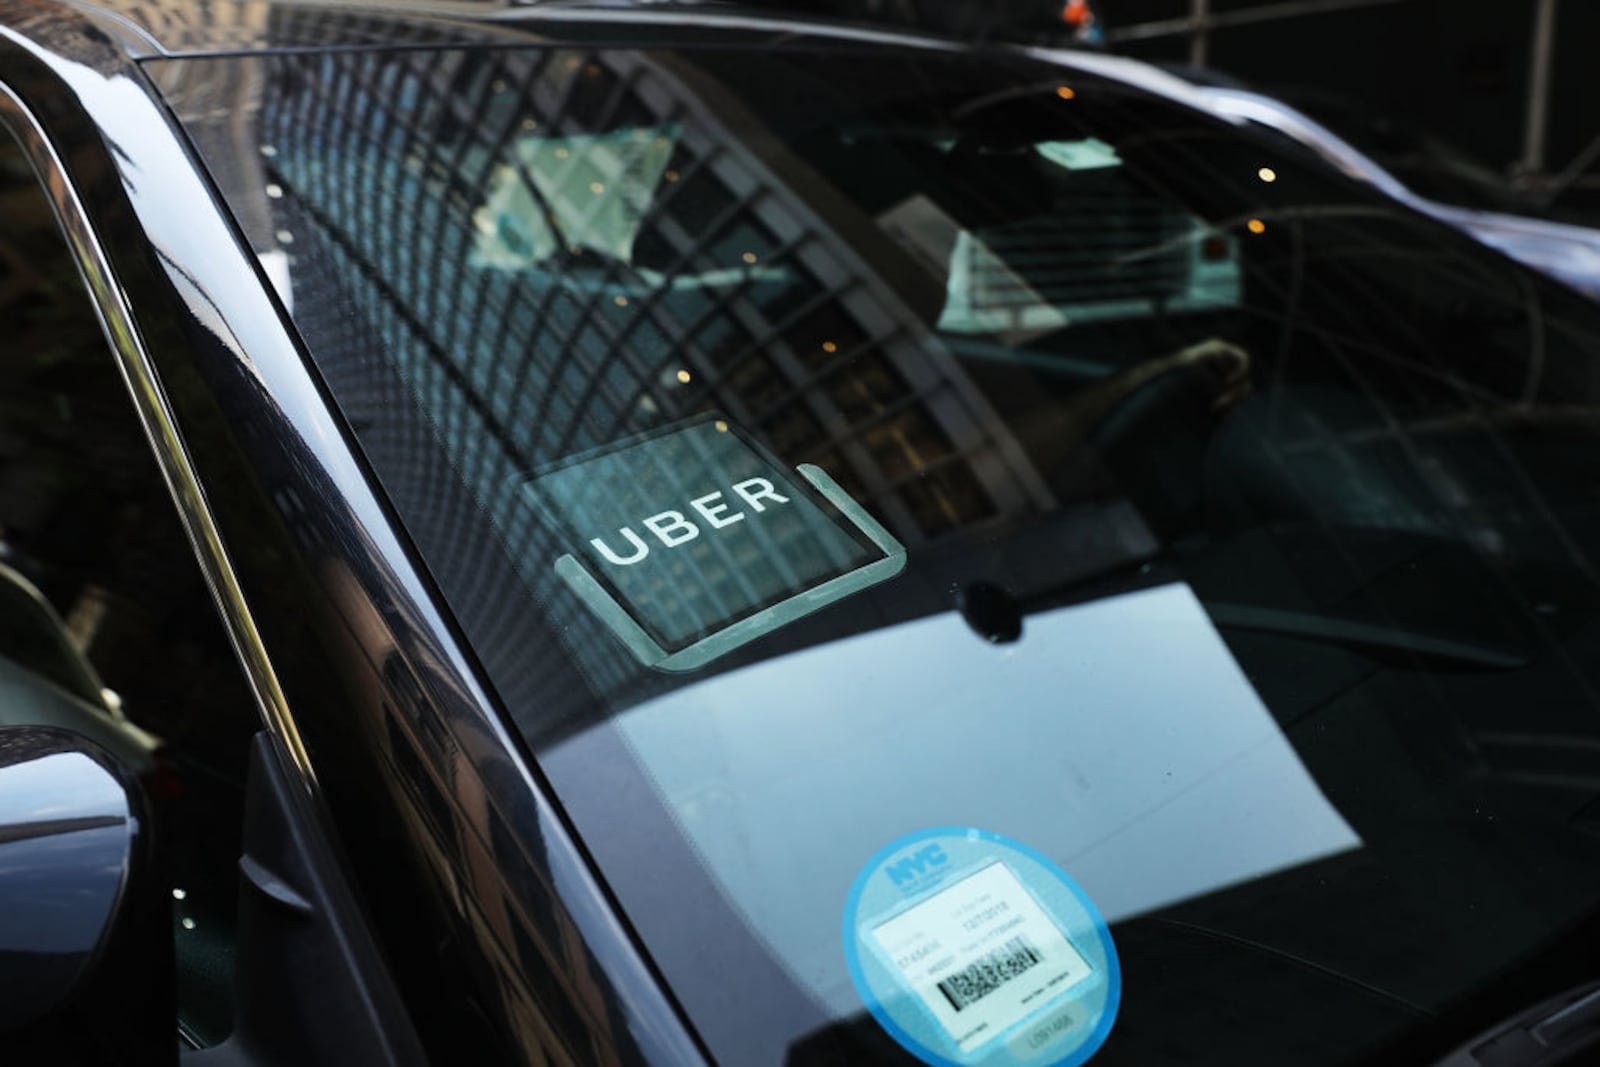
<point x="1378" y="485"/>
<point x="1373" y="468"/>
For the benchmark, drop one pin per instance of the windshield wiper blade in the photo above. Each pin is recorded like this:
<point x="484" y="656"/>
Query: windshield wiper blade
<point x="1554" y="1033"/>
<point x="1385" y="637"/>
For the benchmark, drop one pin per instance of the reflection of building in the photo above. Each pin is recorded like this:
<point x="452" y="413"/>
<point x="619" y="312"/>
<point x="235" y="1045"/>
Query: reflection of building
<point x="753" y="295"/>
<point x="490" y="881"/>
<point x="697" y="281"/>
<point x="203" y="23"/>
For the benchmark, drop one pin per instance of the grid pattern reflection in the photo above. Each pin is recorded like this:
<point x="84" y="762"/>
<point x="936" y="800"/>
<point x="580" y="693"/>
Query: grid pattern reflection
<point x="555" y="250"/>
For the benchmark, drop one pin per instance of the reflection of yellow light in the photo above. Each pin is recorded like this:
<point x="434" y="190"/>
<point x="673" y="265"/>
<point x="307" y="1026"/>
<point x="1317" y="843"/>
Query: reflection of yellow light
<point x="671" y="175"/>
<point x="1256" y="226"/>
<point x="596" y="188"/>
<point x="721" y="426"/>
<point x="530" y="124"/>
<point x="829" y="346"/>
<point x="683" y="376"/>
<point x="562" y="153"/>
<point x="620" y="301"/>
<point x="749" y="257"/>
<point x="498" y="85"/>
<point x="1267" y="174"/>
<point x="1065" y="92"/>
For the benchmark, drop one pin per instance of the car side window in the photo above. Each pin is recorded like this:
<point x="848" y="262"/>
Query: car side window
<point x="106" y="624"/>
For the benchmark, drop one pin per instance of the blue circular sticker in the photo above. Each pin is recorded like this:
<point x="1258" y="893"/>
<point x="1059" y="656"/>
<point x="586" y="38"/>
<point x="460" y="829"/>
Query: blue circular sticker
<point x="972" y="949"/>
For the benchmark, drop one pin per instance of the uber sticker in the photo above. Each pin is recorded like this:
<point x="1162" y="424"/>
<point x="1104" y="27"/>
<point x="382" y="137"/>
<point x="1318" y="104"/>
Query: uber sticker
<point x="691" y="542"/>
<point x="970" y="949"/>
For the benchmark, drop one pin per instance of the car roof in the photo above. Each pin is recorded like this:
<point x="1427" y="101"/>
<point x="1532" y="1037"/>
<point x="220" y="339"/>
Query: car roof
<point x="179" y="28"/>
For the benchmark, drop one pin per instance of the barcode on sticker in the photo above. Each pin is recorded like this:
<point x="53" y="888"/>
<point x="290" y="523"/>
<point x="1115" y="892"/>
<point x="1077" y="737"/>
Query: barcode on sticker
<point x="981" y="977"/>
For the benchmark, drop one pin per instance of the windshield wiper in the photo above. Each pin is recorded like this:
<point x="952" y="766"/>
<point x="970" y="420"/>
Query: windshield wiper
<point x="1554" y="1033"/>
<point x="1378" y="637"/>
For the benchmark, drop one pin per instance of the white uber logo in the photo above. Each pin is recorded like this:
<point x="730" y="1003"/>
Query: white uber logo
<point x="673" y="528"/>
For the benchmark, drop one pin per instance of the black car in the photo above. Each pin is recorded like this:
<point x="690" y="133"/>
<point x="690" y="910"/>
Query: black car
<point x="708" y="536"/>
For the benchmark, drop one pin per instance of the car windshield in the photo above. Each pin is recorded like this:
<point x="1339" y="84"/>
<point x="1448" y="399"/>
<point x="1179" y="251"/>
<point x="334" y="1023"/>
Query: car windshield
<point x="820" y="445"/>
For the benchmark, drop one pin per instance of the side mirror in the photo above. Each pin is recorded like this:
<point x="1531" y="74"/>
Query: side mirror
<point x="86" y="973"/>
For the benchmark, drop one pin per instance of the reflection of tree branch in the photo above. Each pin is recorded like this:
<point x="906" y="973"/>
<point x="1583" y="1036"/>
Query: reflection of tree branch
<point x="1536" y="338"/>
<point x="1512" y="414"/>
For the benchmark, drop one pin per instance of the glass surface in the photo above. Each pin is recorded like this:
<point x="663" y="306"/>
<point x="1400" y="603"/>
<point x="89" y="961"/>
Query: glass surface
<point x="97" y="581"/>
<point x="1249" y="518"/>
<point x="31" y="636"/>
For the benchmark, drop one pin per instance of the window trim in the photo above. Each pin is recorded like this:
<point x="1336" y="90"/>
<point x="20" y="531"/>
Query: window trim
<point x="156" y="417"/>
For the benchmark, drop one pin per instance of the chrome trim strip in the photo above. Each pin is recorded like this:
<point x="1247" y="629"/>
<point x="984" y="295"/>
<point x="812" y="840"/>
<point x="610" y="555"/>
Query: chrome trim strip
<point x="196" y="252"/>
<point x="160" y="427"/>
<point x="122" y="27"/>
<point x="778" y="23"/>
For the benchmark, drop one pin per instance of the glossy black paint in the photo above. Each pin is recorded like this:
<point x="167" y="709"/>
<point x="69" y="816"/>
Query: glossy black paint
<point x="85" y="960"/>
<point x="67" y="834"/>
<point x="502" y="941"/>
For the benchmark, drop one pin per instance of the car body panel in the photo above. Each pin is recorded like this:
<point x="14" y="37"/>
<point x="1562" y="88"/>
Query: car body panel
<point x="505" y="941"/>
<point x="354" y="665"/>
<point x="258" y="26"/>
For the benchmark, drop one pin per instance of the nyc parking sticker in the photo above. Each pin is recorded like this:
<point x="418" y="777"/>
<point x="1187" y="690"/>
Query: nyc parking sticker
<point x="972" y="950"/>
<point x="693" y="541"/>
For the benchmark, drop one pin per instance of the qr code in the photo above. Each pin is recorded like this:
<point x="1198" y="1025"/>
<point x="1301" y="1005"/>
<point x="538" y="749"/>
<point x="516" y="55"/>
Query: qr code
<point x="981" y="977"/>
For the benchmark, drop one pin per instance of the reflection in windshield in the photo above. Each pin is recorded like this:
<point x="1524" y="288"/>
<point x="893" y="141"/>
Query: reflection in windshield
<point x="1137" y="780"/>
<point x="1247" y="521"/>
